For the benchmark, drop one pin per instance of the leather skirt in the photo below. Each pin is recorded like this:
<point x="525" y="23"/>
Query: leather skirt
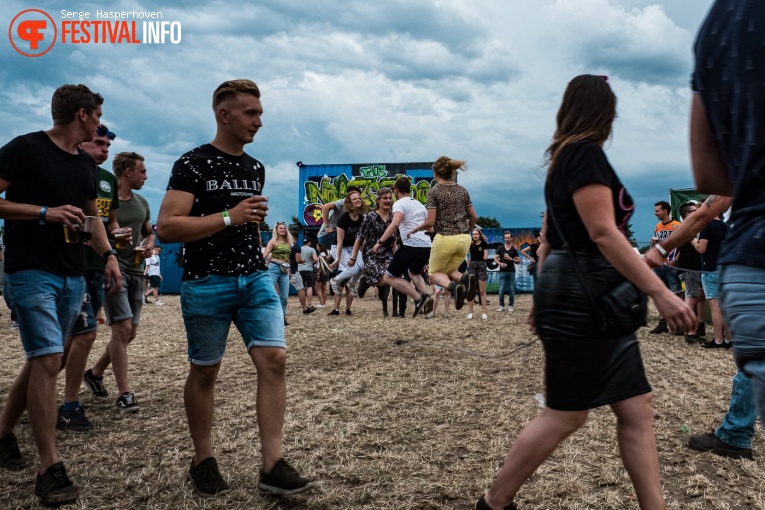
<point x="583" y="369"/>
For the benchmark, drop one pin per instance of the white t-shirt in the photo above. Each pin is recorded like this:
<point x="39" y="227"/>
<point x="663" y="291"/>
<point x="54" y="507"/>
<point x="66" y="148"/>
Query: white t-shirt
<point x="414" y="214"/>
<point x="153" y="264"/>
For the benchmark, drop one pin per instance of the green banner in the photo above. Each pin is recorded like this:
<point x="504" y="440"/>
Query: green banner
<point x="678" y="197"/>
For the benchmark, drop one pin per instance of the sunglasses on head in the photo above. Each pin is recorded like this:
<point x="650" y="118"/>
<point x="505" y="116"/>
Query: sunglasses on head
<point x="103" y="131"/>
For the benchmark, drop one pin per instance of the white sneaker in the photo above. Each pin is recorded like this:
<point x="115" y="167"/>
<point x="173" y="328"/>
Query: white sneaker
<point x="510" y="309"/>
<point x="485" y="317"/>
<point x="159" y="302"/>
<point x="320" y="305"/>
<point x="501" y="309"/>
<point x="470" y="316"/>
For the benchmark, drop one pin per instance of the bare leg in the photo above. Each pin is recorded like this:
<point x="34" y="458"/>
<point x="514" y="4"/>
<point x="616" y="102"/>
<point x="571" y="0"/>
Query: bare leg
<point x="16" y="403"/>
<point x="533" y="446"/>
<point x="717" y="319"/>
<point x="271" y="400"/>
<point x="76" y="358"/>
<point x="482" y="293"/>
<point x="301" y="297"/>
<point x="199" y="401"/>
<point x="123" y="332"/>
<point x="41" y="401"/>
<point x="637" y="445"/>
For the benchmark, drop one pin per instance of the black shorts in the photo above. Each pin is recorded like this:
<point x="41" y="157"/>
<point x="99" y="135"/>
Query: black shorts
<point x="308" y="279"/>
<point x="478" y="268"/>
<point x="409" y="258"/>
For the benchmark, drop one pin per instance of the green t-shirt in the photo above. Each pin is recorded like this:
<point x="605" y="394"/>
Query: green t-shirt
<point x="106" y="187"/>
<point x="133" y="213"/>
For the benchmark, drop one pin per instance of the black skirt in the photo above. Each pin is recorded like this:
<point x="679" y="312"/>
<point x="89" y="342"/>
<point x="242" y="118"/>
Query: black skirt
<point x="583" y="369"/>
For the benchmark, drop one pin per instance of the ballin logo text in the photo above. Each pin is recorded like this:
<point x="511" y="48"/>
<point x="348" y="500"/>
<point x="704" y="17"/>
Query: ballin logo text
<point x="34" y="32"/>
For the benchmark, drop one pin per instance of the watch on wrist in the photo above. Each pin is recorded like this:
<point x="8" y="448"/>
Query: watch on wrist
<point x="107" y="253"/>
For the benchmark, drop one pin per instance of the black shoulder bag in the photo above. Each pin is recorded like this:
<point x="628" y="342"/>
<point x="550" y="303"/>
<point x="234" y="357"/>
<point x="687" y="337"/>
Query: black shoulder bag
<point x="620" y="311"/>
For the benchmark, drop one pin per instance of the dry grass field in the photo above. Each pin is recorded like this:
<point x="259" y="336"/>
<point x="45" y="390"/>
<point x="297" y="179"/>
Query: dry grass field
<point x="387" y="414"/>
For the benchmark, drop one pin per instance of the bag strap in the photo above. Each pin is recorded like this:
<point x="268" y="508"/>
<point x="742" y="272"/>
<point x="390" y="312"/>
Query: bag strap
<point x="567" y="247"/>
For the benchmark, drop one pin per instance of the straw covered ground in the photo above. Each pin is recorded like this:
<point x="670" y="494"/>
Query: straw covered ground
<point x="387" y="414"/>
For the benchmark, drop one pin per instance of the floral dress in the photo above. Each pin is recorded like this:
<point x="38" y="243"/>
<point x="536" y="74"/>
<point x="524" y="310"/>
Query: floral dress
<point x="370" y="231"/>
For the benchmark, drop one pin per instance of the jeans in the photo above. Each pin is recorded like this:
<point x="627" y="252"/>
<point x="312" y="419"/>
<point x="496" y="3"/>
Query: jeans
<point x="742" y="301"/>
<point x="281" y="281"/>
<point x="668" y="275"/>
<point x="46" y="306"/>
<point x="506" y="286"/>
<point x="737" y="428"/>
<point x="211" y="303"/>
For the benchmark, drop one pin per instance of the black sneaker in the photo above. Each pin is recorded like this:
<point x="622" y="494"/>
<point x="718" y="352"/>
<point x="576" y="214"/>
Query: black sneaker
<point x="385" y="314"/>
<point x="283" y="480"/>
<point x="127" y="403"/>
<point x="310" y="309"/>
<point x="710" y="443"/>
<point x="660" y="328"/>
<point x="206" y="478"/>
<point x="75" y="421"/>
<point x="348" y="312"/>
<point x="423" y="305"/>
<point x="713" y="345"/>
<point x="395" y="313"/>
<point x="481" y="505"/>
<point x="458" y="292"/>
<point x="334" y="312"/>
<point x="285" y="322"/>
<point x="471" y="285"/>
<point x="10" y="455"/>
<point x="691" y="339"/>
<point x="701" y="329"/>
<point x="95" y="385"/>
<point x="54" y="488"/>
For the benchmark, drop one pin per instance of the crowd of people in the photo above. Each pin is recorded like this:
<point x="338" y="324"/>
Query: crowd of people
<point x="78" y="237"/>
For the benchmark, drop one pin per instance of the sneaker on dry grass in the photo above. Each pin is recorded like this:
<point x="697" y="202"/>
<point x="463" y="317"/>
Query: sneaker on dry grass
<point x="713" y="345"/>
<point x="95" y="385"/>
<point x="283" y="480"/>
<point x="509" y="309"/>
<point x="10" y="455"/>
<point x="458" y="291"/>
<point x="334" y="312"/>
<point x="470" y="316"/>
<point x="501" y="309"/>
<point x="710" y="443"/>
<point x="309" y="309"/>
<point x="127" y="403"/>
<point x="423" y="305"/>
<point x="660" y="328"/>
<point x="481" y="505"/>
<point x="471" y="285"/>
<point x="484" y="317"/>
<point x="207" y="479"/>
<point x="76" y="421"/>
<point x="159" y="302"/>
<point x="54" y="488"/>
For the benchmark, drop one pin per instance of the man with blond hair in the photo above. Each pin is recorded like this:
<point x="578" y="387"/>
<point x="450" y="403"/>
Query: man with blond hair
<point x="123" y="310"/>
<point x="50" y="186"/>
<point x="213" y="203"/>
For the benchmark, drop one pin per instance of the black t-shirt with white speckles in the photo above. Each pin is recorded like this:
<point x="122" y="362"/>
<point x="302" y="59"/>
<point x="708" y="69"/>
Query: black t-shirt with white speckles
<point x="218" y="182"/>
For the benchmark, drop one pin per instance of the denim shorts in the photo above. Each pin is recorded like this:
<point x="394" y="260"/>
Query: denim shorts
<point x="128" y="302"/>
<point x="211" y="303"/>
<point x="46" y="306"/>
<point x="710" y="283"/>
<point x="91" y="302"/>
<point x="691" y="283"/>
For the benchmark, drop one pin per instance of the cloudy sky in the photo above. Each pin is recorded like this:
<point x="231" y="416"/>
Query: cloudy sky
<point x="382" y="82"/>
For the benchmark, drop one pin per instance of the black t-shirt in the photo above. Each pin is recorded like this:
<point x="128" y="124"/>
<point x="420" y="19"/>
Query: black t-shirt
<point x="688" y="257"/>
<point x="218" y="182"/>
<point x="294" y="252"/>
<point x="714" y="233"/>
<point x="578" y="165"/>
<point x="501" y="252"/>
<point x="477" y="251"/>
<point x="42" y="174"/>
<point x="350" y="227"/>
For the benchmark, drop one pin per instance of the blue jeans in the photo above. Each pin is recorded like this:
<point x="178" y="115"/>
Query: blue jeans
<point x="742" y="301"/>
<point x="211" y="303"/>
<point x="46" y="306"/>
<point x="668" y="275"/>
<point x="737" y="428"/>
<point x="506" y="286"/>
<point x="281" y="282"/>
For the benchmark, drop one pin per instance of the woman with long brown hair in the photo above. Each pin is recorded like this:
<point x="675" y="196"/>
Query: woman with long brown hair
<point x="348" y="225"/>
<point x="585" y="369"/>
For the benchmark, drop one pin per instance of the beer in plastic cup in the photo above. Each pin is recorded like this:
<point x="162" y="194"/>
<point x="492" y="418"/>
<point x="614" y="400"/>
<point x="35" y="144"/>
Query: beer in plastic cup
<point x="88" y="227"/>
<point x="72" y="234"/>
<point x="138" y="251"/>
<point x="120" y="236"/>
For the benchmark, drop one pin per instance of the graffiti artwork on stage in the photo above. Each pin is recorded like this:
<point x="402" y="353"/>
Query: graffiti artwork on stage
<point x="325" y="187"/>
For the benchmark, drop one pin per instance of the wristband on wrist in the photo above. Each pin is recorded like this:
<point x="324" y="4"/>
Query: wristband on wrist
<point x="108" y="253"/>
<point x="43" y="211"/>
<point x="661" y="250"/>
<point x="226" y="218"/>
